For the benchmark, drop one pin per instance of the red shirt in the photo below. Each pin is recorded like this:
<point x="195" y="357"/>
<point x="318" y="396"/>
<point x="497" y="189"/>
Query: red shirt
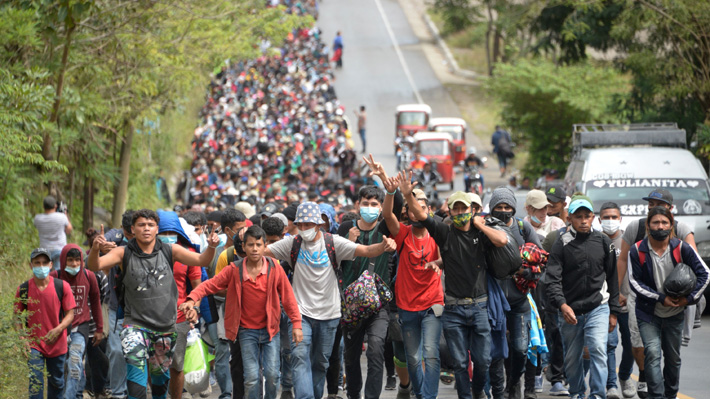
<point x="416" y="287"/>
<point x="179" y="272"/>
<point x="43" y="310"/>
<point x="254" y="298"/>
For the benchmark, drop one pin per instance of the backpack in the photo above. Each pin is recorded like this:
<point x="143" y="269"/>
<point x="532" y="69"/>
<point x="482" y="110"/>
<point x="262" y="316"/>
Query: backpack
<point x="58" y="288"/>
<point x="641" y="233"/>
<point x="240" y="265"/>
<point x="676" y="256"/>
<point x="120" y="288"/>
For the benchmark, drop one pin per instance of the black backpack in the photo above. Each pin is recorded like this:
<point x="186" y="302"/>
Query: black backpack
<point x="58" y="287"/>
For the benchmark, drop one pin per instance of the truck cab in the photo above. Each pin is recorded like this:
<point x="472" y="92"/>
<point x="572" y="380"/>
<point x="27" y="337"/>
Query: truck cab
<point x="624" y="163"/>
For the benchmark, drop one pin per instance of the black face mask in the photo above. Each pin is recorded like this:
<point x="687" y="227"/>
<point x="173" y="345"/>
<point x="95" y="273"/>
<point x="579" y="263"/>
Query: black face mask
<point x="502" y="216"/>
<point x="659" y="235"/>
<point x="417" y="224"/>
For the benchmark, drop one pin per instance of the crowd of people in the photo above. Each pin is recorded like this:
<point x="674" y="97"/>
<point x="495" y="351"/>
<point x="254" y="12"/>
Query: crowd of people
<point x="279" y="233"/>
<point x="270" y="285"/>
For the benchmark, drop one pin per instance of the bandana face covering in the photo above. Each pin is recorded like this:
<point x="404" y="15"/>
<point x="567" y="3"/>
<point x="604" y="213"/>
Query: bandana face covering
<point x="461" y="219"/>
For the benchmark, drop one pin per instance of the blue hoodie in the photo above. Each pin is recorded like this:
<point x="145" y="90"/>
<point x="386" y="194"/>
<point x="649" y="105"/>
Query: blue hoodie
<point x="329" y="212"/>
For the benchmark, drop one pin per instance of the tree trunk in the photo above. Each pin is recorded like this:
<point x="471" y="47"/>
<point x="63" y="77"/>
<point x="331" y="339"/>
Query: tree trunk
<point x="121" y="189"/>
<point x="88" y="214"/>
<point x="488" y="39"/>
<point x="496" y="46"/>
<point x="54" y="117"/>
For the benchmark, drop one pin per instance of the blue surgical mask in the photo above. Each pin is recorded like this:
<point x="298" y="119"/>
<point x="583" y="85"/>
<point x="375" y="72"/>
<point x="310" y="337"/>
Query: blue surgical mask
<point x="168" y="239"/>
<point x="222" y="240"/>
<point x="203" y="242"/>
<point x="369" y="214"/>
<point x="41" y="272"/>
<point x="535" y="220"/>
<point x="72" y="270"/>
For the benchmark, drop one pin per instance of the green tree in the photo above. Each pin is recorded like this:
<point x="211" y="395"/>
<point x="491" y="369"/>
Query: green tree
<point x="541" y="102"/>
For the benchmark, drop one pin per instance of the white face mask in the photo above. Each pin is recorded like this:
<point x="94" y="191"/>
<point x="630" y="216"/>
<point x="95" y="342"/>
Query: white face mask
<point x="203" y="242"/>
<point x="611" y="226"/>
<point x="308" y="235"/>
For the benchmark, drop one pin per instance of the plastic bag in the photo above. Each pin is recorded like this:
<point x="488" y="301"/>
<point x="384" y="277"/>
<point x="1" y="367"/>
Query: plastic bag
<point x="197" y="363"/>
<point x="502" y="261"/>
<point x="680" y="282"/>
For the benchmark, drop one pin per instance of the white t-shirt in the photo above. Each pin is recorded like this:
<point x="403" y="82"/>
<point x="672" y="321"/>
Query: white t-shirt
<point x="315" y="284"/>
<point x="51" y="230"/>
<point x="551" y="223"/>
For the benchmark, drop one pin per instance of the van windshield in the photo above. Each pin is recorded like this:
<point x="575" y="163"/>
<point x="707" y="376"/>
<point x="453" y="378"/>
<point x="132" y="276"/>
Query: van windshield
<point x="690" y="196"/>
<point x="455" y="130"/>
<point x="433" y="147"/>
<point x="412" y="119"/>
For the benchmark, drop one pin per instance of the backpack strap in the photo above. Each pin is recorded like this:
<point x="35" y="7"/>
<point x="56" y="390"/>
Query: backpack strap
<point x="330" y="250"/>
<point x="230" y="254"/>
<point x="641" y="232"/>
<point x="642" y="255"/>
<point x="59" y="288"/>
<point x="296" y="248"/>
<point x="520" y="226"/>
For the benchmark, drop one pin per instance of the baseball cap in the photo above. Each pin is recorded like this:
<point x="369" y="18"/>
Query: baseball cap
<point x="459" y="196"/>
<point x="660" y="194"/>
<point x="555" y="193"/>
<point x="308" y="212"/>
<point x="40" y="251"/>
<point x="281" y="217"/>
<point x="246" y="208"/>
<point x="579" y="202"/>
<point x="419" y="194"/>
<point x="537" y="199"/>
<point x="475" y="199"/>
<point x="269" y="209"/>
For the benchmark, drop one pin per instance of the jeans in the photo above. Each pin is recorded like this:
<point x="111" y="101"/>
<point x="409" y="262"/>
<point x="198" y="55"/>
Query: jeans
<point x="662" y="335"/>
<point x="467" y="330"/>
<point x="556" y="369"/>
<point x="592" y="330"/>
<point x="117" y="363"/>
<point x="420" y="332"/>
<point x="364" y="140"/>
<point x="75" y="365"/>
<point x="376" y="329"/>
<point x="55" y="377"/>
<point x="309" y="359"/>
<point x="260" y="351"/>
<point x="286" y="337"/>
<point x="626" y="366"/>
<point x="518" y="326"/>
<point x="611" y="344"/>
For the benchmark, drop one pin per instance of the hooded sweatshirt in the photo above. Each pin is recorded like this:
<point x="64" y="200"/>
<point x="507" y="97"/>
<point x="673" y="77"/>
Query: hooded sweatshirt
<point x="86" y="292"/>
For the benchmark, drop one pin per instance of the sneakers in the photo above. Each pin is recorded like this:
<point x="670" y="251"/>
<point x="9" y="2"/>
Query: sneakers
<point x="404" y="392"/>
<point x="391" y="383"/>
<point x="530" y="394"/>
<point x="628" y="388"/>
<point x="286" y="394"/>
<point x="538" y="383"/>
<point x="612" y="393"/>
<point x="558" y="390"/>
<point x="642" y="390"/>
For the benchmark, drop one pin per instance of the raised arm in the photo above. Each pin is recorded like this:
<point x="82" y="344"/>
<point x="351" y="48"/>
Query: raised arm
<point x="406" y="186"/>
<point x="100" y="263"/>
<point x="204" y="259"/>
<point x="389" y="217"/>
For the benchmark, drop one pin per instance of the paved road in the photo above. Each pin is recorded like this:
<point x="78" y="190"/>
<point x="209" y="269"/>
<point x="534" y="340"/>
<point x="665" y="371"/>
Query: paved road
<point x="374" y="75"/>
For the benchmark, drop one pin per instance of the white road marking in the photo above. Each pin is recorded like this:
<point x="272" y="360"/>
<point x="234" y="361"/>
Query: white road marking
<point x="397" y="50"/>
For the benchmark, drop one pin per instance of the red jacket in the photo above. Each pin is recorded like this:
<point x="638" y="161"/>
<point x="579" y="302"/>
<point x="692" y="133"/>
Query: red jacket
<point x="229" y="279"/>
